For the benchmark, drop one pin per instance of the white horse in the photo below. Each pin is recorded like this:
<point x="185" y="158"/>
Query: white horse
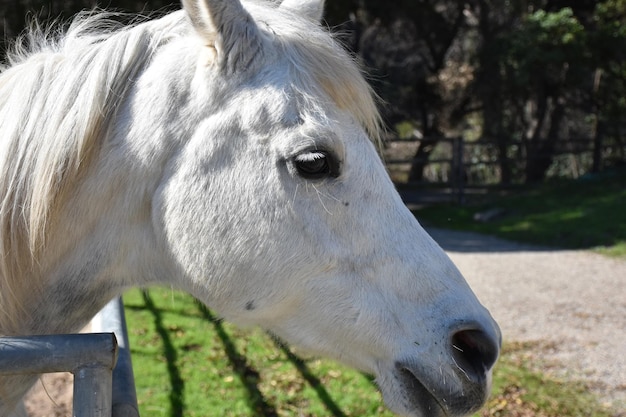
<point x="223" y="150"/>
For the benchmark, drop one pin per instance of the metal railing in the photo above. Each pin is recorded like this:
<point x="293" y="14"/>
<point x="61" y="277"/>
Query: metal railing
<point x="124" y="396"/>
<point x="90" y="357"/>
<point x="101" y="388"/>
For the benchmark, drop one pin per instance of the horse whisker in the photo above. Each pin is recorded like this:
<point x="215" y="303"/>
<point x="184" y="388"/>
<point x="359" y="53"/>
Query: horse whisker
<point x="319" y="194"/>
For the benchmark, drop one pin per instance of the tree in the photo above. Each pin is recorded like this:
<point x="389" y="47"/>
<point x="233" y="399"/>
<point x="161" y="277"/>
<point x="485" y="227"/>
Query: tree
<point x="543" y="63"/>
<point x="412" y="48"/>
<point x="607" y="45"/>
<point x="536" y="77"/>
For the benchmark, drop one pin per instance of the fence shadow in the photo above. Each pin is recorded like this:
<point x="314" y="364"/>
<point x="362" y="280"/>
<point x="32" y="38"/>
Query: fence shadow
<point x="248" y="376"/>
<point x="313" y="381"/>
<point x="177" y="383"/>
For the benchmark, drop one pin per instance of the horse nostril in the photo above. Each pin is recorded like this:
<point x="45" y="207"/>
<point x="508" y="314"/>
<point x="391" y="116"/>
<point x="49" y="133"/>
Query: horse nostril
<point x="475" y="352"/>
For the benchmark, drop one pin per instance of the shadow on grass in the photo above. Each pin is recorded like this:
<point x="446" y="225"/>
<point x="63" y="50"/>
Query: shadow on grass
<point x="171" y="311"/>
<point x="248" y="376"/>
<point x="177" y="384"/>
<point x="314" y="381"/>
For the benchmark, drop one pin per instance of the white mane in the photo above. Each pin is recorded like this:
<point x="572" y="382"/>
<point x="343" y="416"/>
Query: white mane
<point x="56" y="100"/>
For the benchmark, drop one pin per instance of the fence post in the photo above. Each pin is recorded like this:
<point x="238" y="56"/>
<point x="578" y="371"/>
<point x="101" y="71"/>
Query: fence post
<point x="458" y="169"/>
<point x="124" y="397"/>
<point x="92" y="391"/>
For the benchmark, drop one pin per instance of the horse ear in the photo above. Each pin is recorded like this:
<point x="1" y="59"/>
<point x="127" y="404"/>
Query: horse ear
<point x="228" y="28"/>
<point x="311" y="9"/>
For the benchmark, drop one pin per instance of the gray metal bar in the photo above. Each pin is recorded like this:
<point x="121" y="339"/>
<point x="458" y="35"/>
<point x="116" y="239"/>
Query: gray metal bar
<point x="56" y="353"/>
<point x="111" y="319"/>
<point x="92" y="392"/>
<point x="90" y="357"/>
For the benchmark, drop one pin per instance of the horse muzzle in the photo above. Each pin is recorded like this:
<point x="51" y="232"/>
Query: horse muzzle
<point x="457" y="384"/>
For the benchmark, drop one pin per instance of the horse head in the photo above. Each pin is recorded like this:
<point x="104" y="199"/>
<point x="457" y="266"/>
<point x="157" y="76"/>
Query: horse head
<point x="278" y="212"/>
<point x="229" y="150"/>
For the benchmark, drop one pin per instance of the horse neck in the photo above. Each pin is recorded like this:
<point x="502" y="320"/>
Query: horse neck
<point x="99" y="242"/>
<point x="12" y="389"/>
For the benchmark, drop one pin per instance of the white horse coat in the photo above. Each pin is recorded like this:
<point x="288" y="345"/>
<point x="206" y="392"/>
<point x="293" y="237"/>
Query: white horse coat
<point x="224" y="150"/>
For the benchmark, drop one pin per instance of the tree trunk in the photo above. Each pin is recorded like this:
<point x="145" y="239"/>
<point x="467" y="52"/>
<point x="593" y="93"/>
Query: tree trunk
<point x="597" y="123"/>
<point x="420" y="159"/>
<point x="540" y="154"/>
<point x="431" y="135"/>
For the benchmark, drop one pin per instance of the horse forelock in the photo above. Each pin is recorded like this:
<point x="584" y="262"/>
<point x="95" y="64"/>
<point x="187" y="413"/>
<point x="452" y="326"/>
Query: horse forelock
<point x="321" y="64"/>
<point x="56" y="101"/>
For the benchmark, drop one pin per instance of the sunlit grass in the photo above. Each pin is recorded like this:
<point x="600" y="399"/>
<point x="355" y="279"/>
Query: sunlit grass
<point x="618" y="250"/>
<point x="581" y="214"/>
<point x="189" y="363"/>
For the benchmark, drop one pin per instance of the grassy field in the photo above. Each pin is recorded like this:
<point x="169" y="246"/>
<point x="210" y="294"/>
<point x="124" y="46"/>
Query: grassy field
<point x="588" y="213"/>
<point x="189" y="363"/>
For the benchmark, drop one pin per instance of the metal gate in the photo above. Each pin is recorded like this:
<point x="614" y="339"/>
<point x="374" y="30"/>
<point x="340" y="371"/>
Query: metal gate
<point x="100" y="362"/>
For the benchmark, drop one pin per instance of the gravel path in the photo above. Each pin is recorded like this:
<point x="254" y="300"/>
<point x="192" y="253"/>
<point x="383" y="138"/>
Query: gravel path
<point x="572" y="302"/>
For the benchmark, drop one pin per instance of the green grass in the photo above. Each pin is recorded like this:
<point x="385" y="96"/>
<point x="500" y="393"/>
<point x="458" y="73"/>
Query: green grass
<point x="577" y="214"/>
<point x="522" y="389"/>
<point x="188" y="363"/>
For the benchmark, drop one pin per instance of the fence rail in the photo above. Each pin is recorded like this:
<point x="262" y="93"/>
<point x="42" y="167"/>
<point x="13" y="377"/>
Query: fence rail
<point x="124" y="396"/>
<point x="457" y="169"/>
<point x="90" y="357"/>
<point x="100" y="362"/>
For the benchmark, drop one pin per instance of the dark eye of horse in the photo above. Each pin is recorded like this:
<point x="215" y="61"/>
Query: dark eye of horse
<point x="316" y="165"/>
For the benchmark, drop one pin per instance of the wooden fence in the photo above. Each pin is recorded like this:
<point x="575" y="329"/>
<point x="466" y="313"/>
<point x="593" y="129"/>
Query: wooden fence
<point x="456" y="169"/>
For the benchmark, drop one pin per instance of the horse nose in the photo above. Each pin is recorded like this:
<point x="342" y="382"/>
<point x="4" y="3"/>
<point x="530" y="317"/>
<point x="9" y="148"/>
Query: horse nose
<point x="475" y="351"/>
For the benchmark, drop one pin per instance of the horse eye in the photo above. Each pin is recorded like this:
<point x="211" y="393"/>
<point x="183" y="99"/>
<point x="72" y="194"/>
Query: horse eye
<point x="316" y="165"/>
